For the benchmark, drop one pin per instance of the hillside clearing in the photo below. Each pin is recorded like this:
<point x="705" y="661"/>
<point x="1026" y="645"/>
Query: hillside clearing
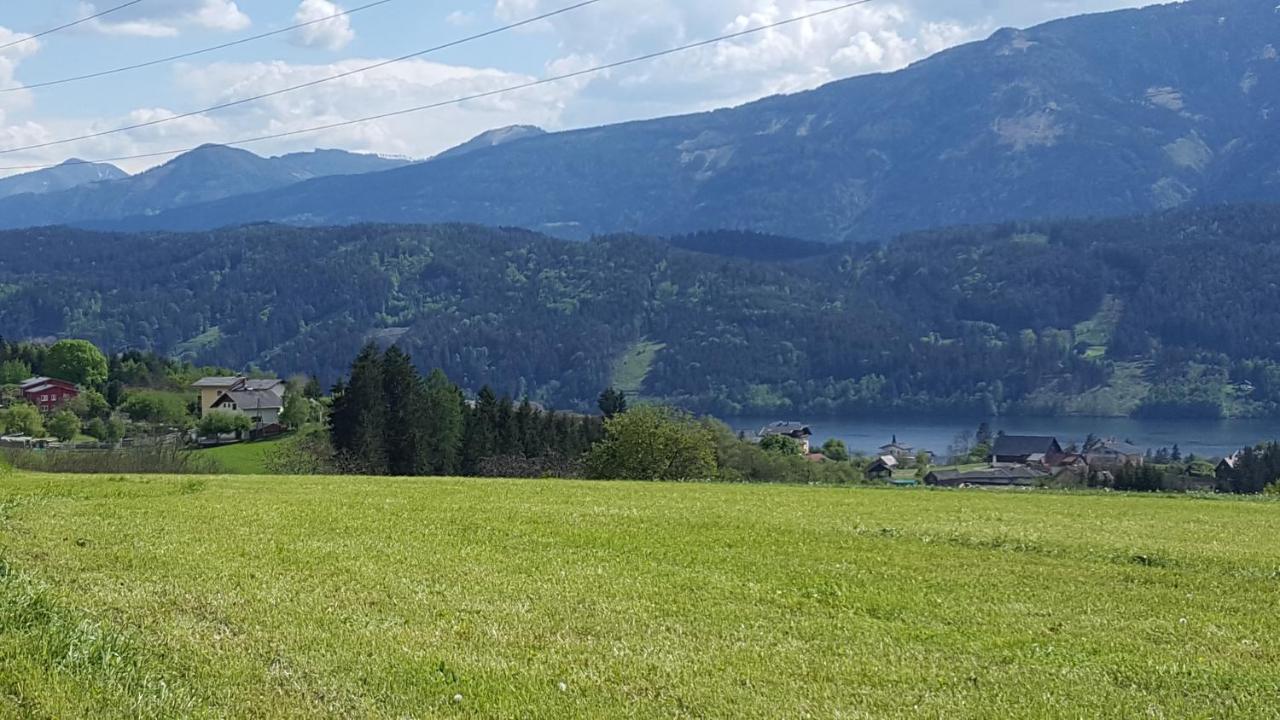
<point x="348" y="597"/>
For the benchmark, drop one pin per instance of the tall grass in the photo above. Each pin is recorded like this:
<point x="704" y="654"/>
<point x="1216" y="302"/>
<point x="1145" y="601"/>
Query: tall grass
<point x="169" y="459"/>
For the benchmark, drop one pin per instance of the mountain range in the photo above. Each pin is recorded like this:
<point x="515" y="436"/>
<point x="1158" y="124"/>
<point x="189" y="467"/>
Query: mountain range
<point x="70" y="174"/>
<point x="211" y="172"/>
<point x="1109" y="114"/>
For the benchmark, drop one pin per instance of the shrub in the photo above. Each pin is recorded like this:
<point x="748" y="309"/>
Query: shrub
<point x="781" y="445"/>
<point x="165" y="459"/>
<point x="654" y="443"/>
<point x="221" y="422"/>
<point x="64" y="425"/>
<point x="157" y="409"/>
<point x="22" y="419"/>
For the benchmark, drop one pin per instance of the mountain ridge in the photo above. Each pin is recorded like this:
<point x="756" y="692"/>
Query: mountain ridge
<point x="1109" y="114"/>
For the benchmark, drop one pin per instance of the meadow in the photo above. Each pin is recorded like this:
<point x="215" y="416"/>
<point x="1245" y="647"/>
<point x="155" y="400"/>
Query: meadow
<point x="124" y="597"/>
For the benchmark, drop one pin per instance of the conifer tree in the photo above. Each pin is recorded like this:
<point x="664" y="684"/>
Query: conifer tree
<point x="358" y="420"/>
<point x="405" y="421"/>
<point x="444" y="425"/>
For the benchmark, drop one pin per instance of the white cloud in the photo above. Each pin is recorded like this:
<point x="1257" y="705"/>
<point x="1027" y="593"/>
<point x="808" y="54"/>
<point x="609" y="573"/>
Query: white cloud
<point x="167" y="18"/>
<point x="332" y="34"/>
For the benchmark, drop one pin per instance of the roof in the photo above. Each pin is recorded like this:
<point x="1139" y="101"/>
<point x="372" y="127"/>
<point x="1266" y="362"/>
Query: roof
<point x="994" y="476"/>
<point x="895" y="445"/>
<point x="44" y="383"/>
<point x="215" y="383"/>
<point x="252" y="399"/>
<point x="1119" y="448"/>
<point x="1018" y="445"/>
<point x="263" y="384"/>
<point x="786" y="428"/>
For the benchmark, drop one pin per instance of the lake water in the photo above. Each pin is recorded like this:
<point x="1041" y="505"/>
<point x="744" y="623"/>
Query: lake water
<point x="1204" y="438"/>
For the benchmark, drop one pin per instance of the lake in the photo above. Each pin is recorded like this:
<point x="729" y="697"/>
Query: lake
<point x="1204" y="438"/>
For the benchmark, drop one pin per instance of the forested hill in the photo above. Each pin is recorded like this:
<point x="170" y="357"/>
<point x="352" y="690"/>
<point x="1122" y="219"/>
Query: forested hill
<point x="1112" y="114"/>
<point x="1173" y="314"/>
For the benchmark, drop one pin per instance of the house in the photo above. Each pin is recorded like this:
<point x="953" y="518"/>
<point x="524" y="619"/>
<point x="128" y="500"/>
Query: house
<point x="211" y="388"/>
<point x="1227" y="467"/>
<point x="1113" y="454"/>
<point x="898" y="450"/>
<point x="48" y="394"/>
<point x="883" y="467"/>
<point x="261" y="400"/>
<point x="994" y="477"/>
<point x="796" y="431"/>
<point x="1025" y="450"/>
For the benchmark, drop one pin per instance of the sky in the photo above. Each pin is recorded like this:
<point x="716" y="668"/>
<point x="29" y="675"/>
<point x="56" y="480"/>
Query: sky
<point x="882" y="35"/>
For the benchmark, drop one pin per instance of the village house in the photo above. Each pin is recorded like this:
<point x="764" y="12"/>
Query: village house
<point x="1114" y="454"/>
<point x="48" y="394"/>
<point x="796" y="431"/>
<point x="882" y="468"/>
<point x="1025" y="450"/>
<point x="262" y="401"/>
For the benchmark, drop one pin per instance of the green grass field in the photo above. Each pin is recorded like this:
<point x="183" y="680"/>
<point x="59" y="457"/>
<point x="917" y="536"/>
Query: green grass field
<point x="342" y="597"/>
<point x="244" y="458"/>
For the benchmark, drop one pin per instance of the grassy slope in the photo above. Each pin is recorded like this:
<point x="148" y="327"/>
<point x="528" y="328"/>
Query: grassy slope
<point x="244" y="458"/>
<point x="385" y="598"/>
<point x="631" y="369"/>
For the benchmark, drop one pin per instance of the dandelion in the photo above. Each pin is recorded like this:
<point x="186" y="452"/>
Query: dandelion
<point x="564" y="687"/>
<point x="457" y="698"/>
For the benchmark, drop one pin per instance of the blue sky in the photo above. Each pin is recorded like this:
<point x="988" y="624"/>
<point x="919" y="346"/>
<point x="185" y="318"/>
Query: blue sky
<point x="883" y="35"/>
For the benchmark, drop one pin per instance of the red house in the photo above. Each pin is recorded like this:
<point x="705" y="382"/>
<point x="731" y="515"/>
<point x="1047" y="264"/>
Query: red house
<point x="48" y="394"/>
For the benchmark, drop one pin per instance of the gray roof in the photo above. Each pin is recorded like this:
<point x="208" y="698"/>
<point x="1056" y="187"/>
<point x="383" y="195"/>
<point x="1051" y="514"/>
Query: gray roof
<point x="215" y="383"/>
<point x="994" y="476"/>
<point x="252" y="399"/>
<point x="1120" y="448"/>
<point x="793" y="429"/>
<point x="263" y="384"/>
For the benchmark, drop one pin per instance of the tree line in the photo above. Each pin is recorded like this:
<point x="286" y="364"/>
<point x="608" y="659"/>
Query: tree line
<point x="387" y="419"/>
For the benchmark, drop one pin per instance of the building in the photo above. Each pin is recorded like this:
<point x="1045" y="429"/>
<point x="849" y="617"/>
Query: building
<point x="48" y="394"/>
<point x="1113" y="454"/>
<point x="211" y="388"/>
<point x="796" y="431"/>
<point x="1227" y="467"/>
<point x="261" y="400"/>
<point x="1025" y="450"/>
<point x="882" y="468"/>
<point x="994" y="477"/>
<point x="895" y="449"/>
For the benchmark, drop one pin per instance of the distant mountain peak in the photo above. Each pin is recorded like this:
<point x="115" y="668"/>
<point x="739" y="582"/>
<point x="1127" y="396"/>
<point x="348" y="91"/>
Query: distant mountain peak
<point x="493" y="138"/>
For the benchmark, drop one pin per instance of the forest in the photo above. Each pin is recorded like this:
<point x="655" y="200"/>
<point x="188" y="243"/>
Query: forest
<point x="1165" y="315"/>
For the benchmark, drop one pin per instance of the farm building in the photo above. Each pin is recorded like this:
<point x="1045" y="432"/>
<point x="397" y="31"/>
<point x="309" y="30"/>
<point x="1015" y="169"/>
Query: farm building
<point x="48" y="394"/>
<point x="1025" y="450"/>
<point x="1113" y="454"/>
<point x="994" y="477"/>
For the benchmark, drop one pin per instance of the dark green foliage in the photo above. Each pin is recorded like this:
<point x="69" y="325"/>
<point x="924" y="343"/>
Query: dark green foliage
<point x="1139" y="478"/>
<point x="975" y="320"/>
<point x="835" y="450"/>
<point x="1256" y="469"/>
<point x="403" y="425"/>
<point x="358" y="419"/>
<point x="612" y="402"/>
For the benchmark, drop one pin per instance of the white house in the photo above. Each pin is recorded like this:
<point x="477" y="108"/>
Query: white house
<point x="261" y="401"/>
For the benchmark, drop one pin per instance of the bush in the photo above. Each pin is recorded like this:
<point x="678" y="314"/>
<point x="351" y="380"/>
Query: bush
<point x="654" y="443"/>
<point x="22" y="419"/>
<point x="308" y="453"/>
<point x="65" y="425"/>
<point x="221" y="422"/>
<point x="166" y="459"/>
<point x="781" y="445"/>
<point x="836" y="450"/>
<point x="157" y="409"/>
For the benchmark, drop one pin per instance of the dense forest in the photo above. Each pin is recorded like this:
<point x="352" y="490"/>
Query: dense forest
<point x="1164" y="315"/>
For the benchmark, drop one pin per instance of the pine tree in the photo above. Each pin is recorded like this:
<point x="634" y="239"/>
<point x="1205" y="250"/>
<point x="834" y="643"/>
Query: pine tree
<point x="507" y="436"/>
<point x="444" y="424"/>
<point x="358" y="419"/>
<point x="612" y="402"/>
<point x="525" y="422"/>
<point x="403" y="393"/>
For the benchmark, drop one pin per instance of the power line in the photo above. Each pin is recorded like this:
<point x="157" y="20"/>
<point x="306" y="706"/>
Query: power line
<point x="293" y="88"/>
<point x="193" y="53"/>
<point x="477" y="96"/>
<point x="71" y="24"/>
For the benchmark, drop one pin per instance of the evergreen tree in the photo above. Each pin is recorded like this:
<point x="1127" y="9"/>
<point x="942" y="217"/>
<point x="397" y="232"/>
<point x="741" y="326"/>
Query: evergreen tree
<point x="612" y="402"/>
<point x="444" y="424"/>
<point x="506" y="432"/>
<point x="358" y="419"/>
<point x="526" y="424"/>
<point x="404" y="423"/>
